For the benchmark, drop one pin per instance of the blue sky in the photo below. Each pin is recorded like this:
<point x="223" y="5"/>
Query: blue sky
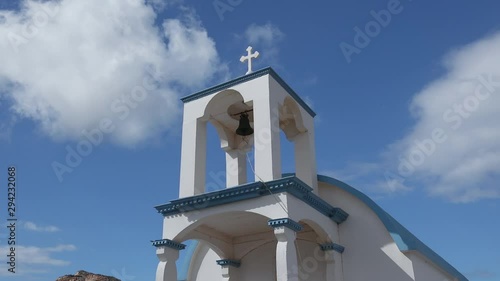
<point x="407" y="112"/>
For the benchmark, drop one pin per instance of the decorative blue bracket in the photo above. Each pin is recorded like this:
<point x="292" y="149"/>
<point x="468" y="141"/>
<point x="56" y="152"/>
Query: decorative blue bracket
<point x="228" y="262"/>
<point x="286" y="222"/>
<point x="332" y="247"/>
<point x="168" y="243"/>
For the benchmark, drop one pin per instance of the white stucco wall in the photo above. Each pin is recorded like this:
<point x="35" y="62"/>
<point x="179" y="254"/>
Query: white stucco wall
<point x="364" y="236"/>
<point x="426" y="270"/>
<point x="311" y="261"/>
<point x="259" y="264"/>
<point x="204" y="261"/>
<point x="371" y="253"/>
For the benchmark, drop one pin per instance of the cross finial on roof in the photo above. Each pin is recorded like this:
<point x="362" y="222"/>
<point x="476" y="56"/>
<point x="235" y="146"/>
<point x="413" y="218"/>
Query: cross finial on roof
<point x="249" y="57"/>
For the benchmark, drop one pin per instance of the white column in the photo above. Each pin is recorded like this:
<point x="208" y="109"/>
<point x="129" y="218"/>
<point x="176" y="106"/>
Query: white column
<point x="167" y="269"/>
<point x="236" y="168"/>
<point x="286" y="254"/>
<point x="228" y="272"/>
<point x="333" y="259"/>
<point x="193" y="158"/>
<point x="330" y="265"/>
<point x="228" y="269"/>
<point x="337" y="266"/>
<point x="305" y="156"/>
<point x="267" y="139"/>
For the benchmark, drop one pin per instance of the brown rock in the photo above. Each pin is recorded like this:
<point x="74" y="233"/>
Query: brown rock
<point x="83" y="275"/>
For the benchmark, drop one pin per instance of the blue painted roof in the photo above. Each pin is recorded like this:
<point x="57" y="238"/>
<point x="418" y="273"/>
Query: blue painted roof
<point x="403" y="238"/>
<point x="248" y="77"/>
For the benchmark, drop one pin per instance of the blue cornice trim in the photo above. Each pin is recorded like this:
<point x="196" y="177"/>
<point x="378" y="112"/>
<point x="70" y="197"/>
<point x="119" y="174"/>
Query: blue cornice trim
<point x="332" y="247"/>
<point x="168" y="243"/>
<point x="403" y="238"/>
<point x="290" y="184"/>
<point x="228" y="262"/>
<point x="286" y="222"/>
<point x="226" y="85"/>
<point x="248" y="77"/>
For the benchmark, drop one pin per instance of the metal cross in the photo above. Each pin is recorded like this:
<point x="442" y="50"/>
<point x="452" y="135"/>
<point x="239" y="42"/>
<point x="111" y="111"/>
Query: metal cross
<point x="249" y="57"/>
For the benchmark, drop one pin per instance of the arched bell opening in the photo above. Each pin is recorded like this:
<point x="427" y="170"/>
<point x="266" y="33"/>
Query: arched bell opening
<point x="287" y="149"/>
<point x="298" y="130"/>
<point x="216" y="170"/>
<point x="258" y="143"/>
<point x="229" y="114"/>
<point x="291" y="121"/>
<point x="224" y="112"/>
<point x="296" y="141"/>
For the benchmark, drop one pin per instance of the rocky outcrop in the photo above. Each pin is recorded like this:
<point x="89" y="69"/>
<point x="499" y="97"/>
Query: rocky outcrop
<point x="83" y="275"/>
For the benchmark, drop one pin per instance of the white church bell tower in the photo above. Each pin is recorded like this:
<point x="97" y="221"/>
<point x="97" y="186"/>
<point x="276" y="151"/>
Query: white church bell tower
<point x="276" y="226"/>
<point x="271" y="210"/>
<point x="271" y="106"/>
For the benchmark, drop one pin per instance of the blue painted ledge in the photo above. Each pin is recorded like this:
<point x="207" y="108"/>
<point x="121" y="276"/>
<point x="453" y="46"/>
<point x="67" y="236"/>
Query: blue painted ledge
<point x="227" y="262"/>
<point x="290" y="184"/>
<point x="286" y="222"/>
<point x="168" y="243"/>
<point x="332" y="247"/>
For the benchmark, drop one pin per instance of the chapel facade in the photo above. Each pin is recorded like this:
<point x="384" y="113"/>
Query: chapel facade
<point x="300" y="226"/>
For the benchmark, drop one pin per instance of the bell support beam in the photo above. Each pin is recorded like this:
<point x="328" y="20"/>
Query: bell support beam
<point x="305" y="155"/>
<point x="236" y="168"/>
<point x="266" y="139"/>
<point x="193" y="157"/>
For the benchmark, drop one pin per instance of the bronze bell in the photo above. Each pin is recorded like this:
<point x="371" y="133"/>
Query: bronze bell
<point x="244" y="129"/>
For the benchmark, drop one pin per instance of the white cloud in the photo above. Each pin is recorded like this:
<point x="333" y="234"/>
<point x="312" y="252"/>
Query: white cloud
<point x="454" y="147"/>
<point x="33" y="227"/>
<point x="369" y="178"/>
<point x="265" y="39"/>
<point x="34" y="259"/>
<point x="266" y="34"/>
<point x="466" y="165"/>
<point x="161" y="5"/>
<point x="69" y="64"/>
